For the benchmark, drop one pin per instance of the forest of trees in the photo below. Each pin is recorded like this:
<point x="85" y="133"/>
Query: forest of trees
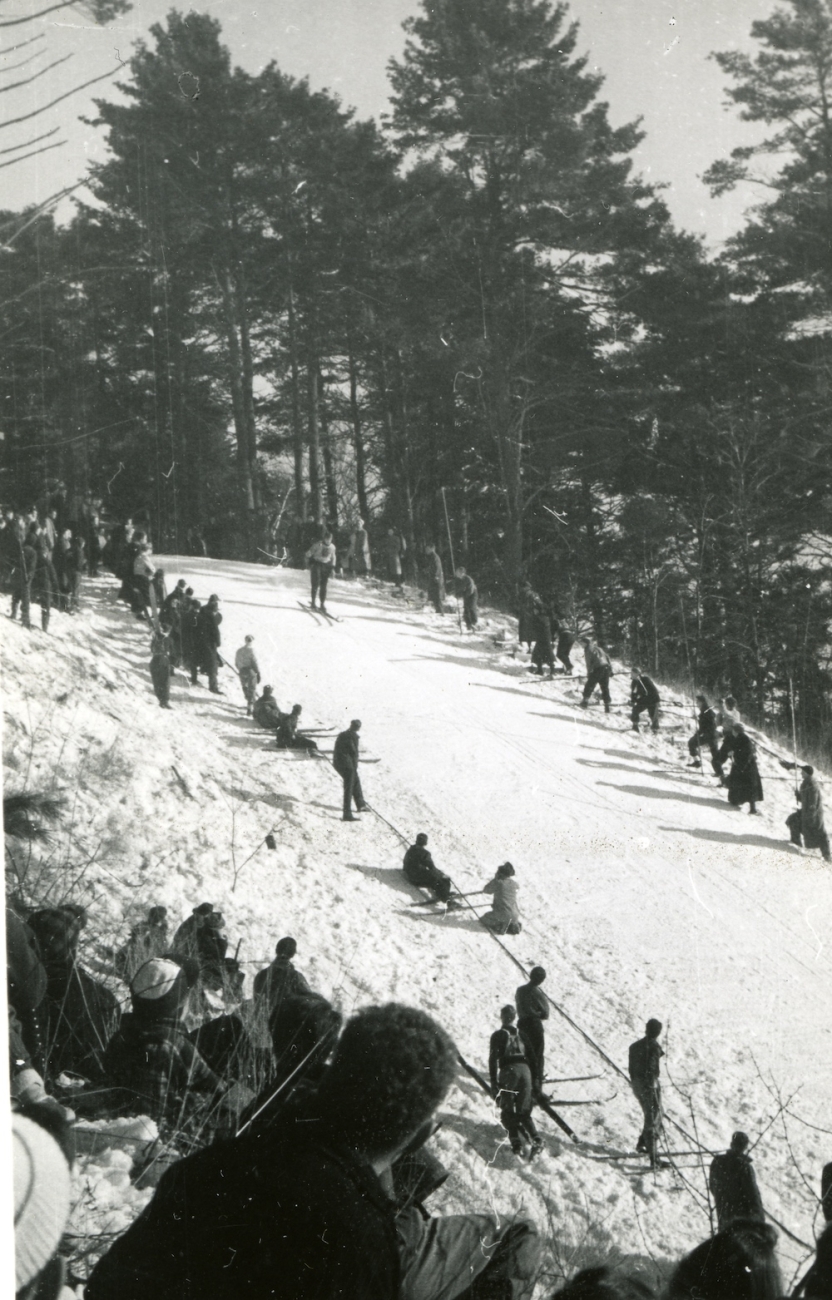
<point x="271" y="316"/>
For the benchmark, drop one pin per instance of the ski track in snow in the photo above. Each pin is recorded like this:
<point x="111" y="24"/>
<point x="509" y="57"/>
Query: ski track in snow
<point x="643" y="893"/>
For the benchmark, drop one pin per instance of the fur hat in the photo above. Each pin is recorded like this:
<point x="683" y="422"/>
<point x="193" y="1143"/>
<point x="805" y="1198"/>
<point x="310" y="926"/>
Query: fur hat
<point x="41" y="1197"/>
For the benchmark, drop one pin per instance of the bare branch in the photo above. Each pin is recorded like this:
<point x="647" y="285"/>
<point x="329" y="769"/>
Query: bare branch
<point x="30" y="18"/>
<point x="23" y="62"/>
<point x="10" y="162"/>
<point x="34" y="140"/>
<point x="40" y="36"/>
<point x="25" y="81"/>
<point x="25" y="117"/>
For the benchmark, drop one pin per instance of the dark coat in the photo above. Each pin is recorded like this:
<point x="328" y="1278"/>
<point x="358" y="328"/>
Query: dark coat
<point x="78" y="1017"/>
<point x="420" y="869"/>
<point x="644" y="691"/>
<point x="733" y="1185"/>
<point x="645" y="1062"/>
<point x="744" y="784"/>
<point x="266" y="712"/>
<point x="706" y="730"/>
<point x="155" y="1060"/>
<point x="345" y="751"/>
<point x="811" y="813"/>
<point x="279" y="981"/>
<point x="286" y="1214"/>
<point x="208" y="627"/>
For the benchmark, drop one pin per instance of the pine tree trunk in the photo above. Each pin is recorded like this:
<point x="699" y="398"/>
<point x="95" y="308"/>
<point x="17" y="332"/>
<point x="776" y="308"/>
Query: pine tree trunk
<point x="238" y="405"/>
<point x="316" y="498"/>
<point x="329" y="464"/>
<point x="358" y="439"/>
<point x="297" y="426"/>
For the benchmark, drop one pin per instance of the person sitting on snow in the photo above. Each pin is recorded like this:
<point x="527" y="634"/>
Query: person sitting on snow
<point x="420" y="869"/>
<point x="504" y="917"/>
<point x="288" y="735"/>
<point x="265" y="710"/>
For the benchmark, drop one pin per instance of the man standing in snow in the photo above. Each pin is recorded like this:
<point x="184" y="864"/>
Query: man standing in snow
<point x="210" y="640"/>
<point x="420" y="870"/>
<point x="467" y="589"/>
<point x="645" y="1067"/>
<point x="733" y="1184"/>
<point x="706" y="734"/>
<point x="246" y="663"/>
<point x="532" y="1009"/>
<point x="644" y="696"/>
<point x="435" y="578"/>
<point x="160" y="670"/>
<point x="806" y="824"/>
<point x="511" y="1083"/>
<point x="345" y="762"/>
<point x="598" y="673"/>
<point x="321" y="556"/>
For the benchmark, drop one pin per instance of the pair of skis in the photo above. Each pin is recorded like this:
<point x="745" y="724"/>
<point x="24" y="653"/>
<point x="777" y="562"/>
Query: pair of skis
<point x="324" y="613"/>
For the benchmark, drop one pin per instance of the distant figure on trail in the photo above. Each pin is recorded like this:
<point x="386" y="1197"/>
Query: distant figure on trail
<point x="806" y="824"/>
<point x="322" y="557"/>
<point x="160" y="669"/>
<point x="504" y="917"/>
<point x="265" y="710"/>
<point x="419" y="868"/>
<point x="467" y="589"/>
<point x="245" y="661"/>
<point x="345" y="762"/>
<point x="706" y="734"/>
<point x="280" y="980"/>
<point x="645" y="1070"/>
<point x="208" y="628"/>
<point x="644" y="696"/>
<point x="566" y="640"/>
<point x="729" y="715"/>
<point x="289" y="735"/>
<point x="511" y="1084"/>
<point x="733" y="1184"/>
<point x="185" y="939"/>
<point x="532" y="1009"/>
<point x="358" y="556"/>
<point x="435" y="578"/>
<point x="527" y="603"/>
<point x="598" y="673"/>
<point x="189" y="629"/>
<point x="744" y="784"/>
<point x="148" y="939"/>
<point x="543" y="651"/>
<point x="395" y="547"/>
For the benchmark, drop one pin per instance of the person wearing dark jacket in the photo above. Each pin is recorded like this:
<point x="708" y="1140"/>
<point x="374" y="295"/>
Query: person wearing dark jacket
<point x="598" y="673"/>
<point x="644" y="696"/>
<point x="189" y="630"/>
<point x="566" y="640"/>
<point x="298" y="1210"/>
<point x="45" y="580"/>
<point x="806" y="824"/>
<point x="706" y="734"/>
<point x="435" y="579"/>
<point x="78" y="1015"/>
<point x="532" y="1009"/>
<point x="733" y="1184"/>
<point x="511" y="1083"/>
<point x="420" y="869"/>
<point x="265" y="710"/>
<point x="160" y="669"/>
<point x="208" y="628"/>
<point x="645" y="1058"/>
<point x="744" y="784"/>
<point x="24" y="561"/>
<point x="288" y="735"/>
<point x="345" y="761"/>
<point x="322" y="557"/>
<point x="148" y="939"/>
<point x="280" y="980"/>
<point x="467" y="589"/>
<point x="528" y="604"/>
<point x="543" y="651"/>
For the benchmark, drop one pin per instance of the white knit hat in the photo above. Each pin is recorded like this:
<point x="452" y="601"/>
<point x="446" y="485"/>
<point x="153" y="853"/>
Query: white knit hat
<point x="41" y="1197"/>
<point x="155" y="979"/>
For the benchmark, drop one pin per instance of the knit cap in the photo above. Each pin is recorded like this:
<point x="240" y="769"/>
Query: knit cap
<point x="159" y="987"/>
<point x="41" y="1197"/>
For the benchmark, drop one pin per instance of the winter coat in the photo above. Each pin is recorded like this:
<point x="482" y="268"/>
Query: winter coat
<point x="266" y="712"/>
<point x="345" y="751"/>
<point x="644" y="1062"/>
<point x="246" y="658"/>
<point x="531" y="1002"/>
<point x="78" y="1017"/>
<point x="596" y="657"/>
<point x="359" y="552"/>
<point x="146" y="941"/>
<point x="505" y="908"/>
<point x="644" y="690"/>
<point x="143" y="566"/>
<point x="506" y="1048"/>
<point x="280" y="981"/>
<point x="744" y="784"/>
<point x="26" y="984"/>
<point x="466" y="587"/>
<point x="284" y="1214"/>
<point x="322" y="553"/>
<point x="733" y="1184"/>
<point x="729" y="719"/>
<point x="154" y="1059"/>
<point x="208" y="627"/>
<point x="707" y="725"/>
<point x="420" y="869"/>
<point x="435" y="571"/>
<point x="811" y="813"/>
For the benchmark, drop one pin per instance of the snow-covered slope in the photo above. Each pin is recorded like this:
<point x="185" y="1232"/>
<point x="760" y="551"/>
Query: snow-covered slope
<point x="643" y="893"/>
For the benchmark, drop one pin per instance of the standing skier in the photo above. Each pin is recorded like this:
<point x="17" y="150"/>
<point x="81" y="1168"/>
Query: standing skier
<point x="806" y="824"/>
<point x="706" y="734"/>
<point x="733" y="1184"/>
<point x="435" y="579"/>
<point x="345" y="762"/>
<point x="420" y="869"/>
<point x="321" y="556"/>
<point x="208" y="629"/>
<point x="467" y="589"/>
<point x="744" y="784"/>
<point x="247" y="666"/>
<point x="543" y="651"/>
<point x="644" y="696"/>
<point x="511" y="1083"/>
<point x="532" y="1009"/>
<point x="598" y="673"/>
<point x="645" y="1069"/>
<point x="160" y="670"/>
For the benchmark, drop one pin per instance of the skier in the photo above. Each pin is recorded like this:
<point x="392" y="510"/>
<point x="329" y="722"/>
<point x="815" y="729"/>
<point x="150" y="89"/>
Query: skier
<point x="598" y="673"/>
<point x="532" y="1009"/>
<point x="706" y="734"/>
<point x="744" y="784"/>
<point x="467" y="589"/>
<point x="321" y="556"/>
<point x="358" y="556"/>
<point x="208" y="628"/>
<point x="733" y="1184"/>
<point x="420" y="869"/>
<point x="288" y="736"/>
<point x="806" y="824"/>
<point x="543" y="651"/>
<point x="504" y="917"/>
<point x="396" y="547"/>
<point x="644" y="696"/>
<point x="345" y="762"/>
<point x="645" y="1067"/>
<point x="435" y="579"/>
<point x="265" y="711"/>
<point x="566" y="640"/>
<point x="245" y="661"/>
<point x="511" y="1083"/>
<point x="160" y="670"/>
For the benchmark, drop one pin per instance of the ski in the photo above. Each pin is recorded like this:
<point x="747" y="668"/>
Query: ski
<point x="475" y="1074"/>
<point x="575" y="1078"/>
<point x="309" y="610"/>
<point x="590" y="1101"/>
<point x="453" y="902"/>
<point x="545" y="1105"/>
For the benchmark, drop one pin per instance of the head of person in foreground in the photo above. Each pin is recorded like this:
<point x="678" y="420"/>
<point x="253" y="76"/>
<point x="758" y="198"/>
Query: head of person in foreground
<point x="739" y="1263"/>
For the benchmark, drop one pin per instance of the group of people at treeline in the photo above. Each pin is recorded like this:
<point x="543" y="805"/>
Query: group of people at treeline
<point x="294" y="1156"/>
